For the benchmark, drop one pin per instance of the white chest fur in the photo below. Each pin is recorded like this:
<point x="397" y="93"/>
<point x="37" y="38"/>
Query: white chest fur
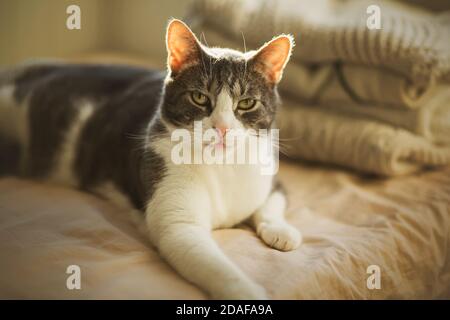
<point x="222" y="195"/>
<point x="235" y="192"/>
<point x="219" y="195"/>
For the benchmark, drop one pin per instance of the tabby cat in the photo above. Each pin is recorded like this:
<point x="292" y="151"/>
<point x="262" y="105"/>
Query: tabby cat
<point x="107" y="129"/>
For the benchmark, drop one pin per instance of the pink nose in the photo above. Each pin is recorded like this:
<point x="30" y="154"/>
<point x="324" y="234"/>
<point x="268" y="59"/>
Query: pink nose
<point x="222" y="130"/>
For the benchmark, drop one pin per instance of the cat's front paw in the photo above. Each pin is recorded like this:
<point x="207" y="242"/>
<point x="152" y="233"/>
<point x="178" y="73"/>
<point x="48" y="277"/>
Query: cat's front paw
<point x="280" y="236"/>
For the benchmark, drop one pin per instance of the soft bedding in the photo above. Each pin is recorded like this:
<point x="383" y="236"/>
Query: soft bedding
<point x="375" y="100"/>
<point x="350" y="224"/>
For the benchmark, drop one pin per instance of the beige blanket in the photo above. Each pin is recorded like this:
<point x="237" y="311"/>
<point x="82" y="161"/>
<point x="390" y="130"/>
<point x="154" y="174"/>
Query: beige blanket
<point x="400" y="225"/>
<point x="372" y="100"/>
<point x="411" y="41"/>
<point x="362" y="91"/>
<point x="332" y="82"/>
<point x="346" y="140"/>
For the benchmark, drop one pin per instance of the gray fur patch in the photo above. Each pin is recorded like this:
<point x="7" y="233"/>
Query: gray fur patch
<point x="111" y="144"/>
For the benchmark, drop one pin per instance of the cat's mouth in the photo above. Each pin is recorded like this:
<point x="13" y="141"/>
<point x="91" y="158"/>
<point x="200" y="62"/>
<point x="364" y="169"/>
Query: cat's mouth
<point x="218" y="145"/>
<point x="219" y="141"/>
<point x="224" y="141"/>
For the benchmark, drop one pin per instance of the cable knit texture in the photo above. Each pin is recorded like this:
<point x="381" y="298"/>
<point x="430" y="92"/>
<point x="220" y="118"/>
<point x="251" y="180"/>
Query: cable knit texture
<point x="376" y="101"/>
<point x="412" y="41"/>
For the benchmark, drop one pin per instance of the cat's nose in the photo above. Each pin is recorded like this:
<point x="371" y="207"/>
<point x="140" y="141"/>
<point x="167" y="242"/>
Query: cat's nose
<point x="222" y="130"/>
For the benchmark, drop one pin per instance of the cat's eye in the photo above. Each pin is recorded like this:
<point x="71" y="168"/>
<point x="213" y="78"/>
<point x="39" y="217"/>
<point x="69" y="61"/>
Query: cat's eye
<point x="246" y="104"/>
<point x="199" y="98"/>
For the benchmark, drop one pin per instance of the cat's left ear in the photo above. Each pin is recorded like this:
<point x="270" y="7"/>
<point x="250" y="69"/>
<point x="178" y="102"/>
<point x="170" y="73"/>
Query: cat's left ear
<point x="273" y="56"/>
<point x="182" y="46"/>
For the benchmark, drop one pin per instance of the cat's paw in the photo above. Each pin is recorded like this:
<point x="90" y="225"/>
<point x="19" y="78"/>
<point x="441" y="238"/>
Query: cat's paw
<point x="241" y="291"/>
<point x="280" y="236"/>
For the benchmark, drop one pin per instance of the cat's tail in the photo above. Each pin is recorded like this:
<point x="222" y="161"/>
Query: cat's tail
<point x="14" y="109"/>
<point x="12" y="113"/>
<point x="7" y="75"/>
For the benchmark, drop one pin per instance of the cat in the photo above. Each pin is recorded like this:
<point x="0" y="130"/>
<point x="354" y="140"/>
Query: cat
<point x="107" y="129"/>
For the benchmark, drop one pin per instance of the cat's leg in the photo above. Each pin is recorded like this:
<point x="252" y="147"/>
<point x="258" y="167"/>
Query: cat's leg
<point x="186" y="243"/>
<point x="271" y="226"/>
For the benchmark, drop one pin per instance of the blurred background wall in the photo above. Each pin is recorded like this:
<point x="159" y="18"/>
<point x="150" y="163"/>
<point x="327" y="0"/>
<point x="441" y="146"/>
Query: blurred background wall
<point x="37" y="28"/>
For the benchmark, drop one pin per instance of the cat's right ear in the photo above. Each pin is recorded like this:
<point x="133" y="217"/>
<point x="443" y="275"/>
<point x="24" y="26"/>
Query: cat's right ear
<point x="183" y="48"/>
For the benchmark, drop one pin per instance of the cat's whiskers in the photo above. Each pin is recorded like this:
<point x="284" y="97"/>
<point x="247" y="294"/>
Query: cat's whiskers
<point x="284" y="149"/>
<point x="245" y="52"/>
<point x="210" y="67"/>
<point x="277" y="144"/>
<point x="143" y="140"/>
<point x="203" y="59"/>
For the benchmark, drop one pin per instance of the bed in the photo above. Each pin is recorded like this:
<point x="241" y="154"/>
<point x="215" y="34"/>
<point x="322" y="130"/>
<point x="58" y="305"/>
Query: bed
<point x="365" y="237"/>
<point x="355" y="228"/>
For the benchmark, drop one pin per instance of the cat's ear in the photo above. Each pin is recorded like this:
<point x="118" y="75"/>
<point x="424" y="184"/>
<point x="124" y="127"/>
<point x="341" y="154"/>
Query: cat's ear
<point x="183" y="48"/>
<point x="273" y="56"/>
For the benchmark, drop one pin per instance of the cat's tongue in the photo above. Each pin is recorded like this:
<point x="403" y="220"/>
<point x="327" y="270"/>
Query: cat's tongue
<point x="221" y="143"/>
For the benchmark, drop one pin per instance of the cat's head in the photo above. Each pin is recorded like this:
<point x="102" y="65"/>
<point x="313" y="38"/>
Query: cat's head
<point x="223" y="88"/>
